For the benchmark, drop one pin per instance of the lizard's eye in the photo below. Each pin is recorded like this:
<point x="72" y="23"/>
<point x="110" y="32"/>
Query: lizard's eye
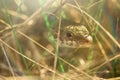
<point x="68" y="34"/>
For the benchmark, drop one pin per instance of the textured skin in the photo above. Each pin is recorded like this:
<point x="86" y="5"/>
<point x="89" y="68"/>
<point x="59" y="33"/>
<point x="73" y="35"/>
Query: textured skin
<point x="79" y="32"/>
<point x="74" y="36"/>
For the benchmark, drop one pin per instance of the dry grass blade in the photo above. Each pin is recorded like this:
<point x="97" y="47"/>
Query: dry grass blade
<point x="57" y="44"/>
<point x="103" y="52"/>
<point x="11" y="69"/>
<point x="106" y="62"/>
<point x="82" y="72"/>
<point x="95" y="3"/>
<point x="44" y="31"/>
<point x="44" y="48"/>
<point x="111" y="37"/>
<point x="50" y="51"/>
<point x="32" y="60"/>
<point x="33" y="18"/>
<point x="16" y="14"/>
<point x="107" y="43"/>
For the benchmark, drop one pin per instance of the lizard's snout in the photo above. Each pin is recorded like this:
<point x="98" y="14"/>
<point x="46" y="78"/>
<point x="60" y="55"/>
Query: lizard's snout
<point x="89" y="39"/>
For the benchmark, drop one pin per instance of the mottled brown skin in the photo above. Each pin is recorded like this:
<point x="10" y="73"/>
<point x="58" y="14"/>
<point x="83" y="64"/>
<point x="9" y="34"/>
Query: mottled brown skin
<point x="75" y="36"/>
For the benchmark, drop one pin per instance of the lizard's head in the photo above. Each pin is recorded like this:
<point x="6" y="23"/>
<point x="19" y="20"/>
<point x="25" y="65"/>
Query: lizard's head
<point x="75" y="36"/>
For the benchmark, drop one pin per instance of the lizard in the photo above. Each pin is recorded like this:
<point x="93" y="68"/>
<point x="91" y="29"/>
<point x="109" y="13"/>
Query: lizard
<point x="75" y="36"/>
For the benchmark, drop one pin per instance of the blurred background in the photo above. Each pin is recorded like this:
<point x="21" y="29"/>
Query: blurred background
<point x="29" y="39"/>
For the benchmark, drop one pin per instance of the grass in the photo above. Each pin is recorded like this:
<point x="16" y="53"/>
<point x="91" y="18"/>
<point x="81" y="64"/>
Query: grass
<point x="45" y="25"/>
<point x="15" y="36"/>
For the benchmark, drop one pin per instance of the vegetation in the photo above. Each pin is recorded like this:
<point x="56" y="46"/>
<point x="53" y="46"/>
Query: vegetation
<point x="30" y="33"/>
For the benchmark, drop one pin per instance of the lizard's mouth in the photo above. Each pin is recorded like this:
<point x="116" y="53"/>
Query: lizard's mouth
<point x="75" y="37"/>
<point x="85" y="43"/>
